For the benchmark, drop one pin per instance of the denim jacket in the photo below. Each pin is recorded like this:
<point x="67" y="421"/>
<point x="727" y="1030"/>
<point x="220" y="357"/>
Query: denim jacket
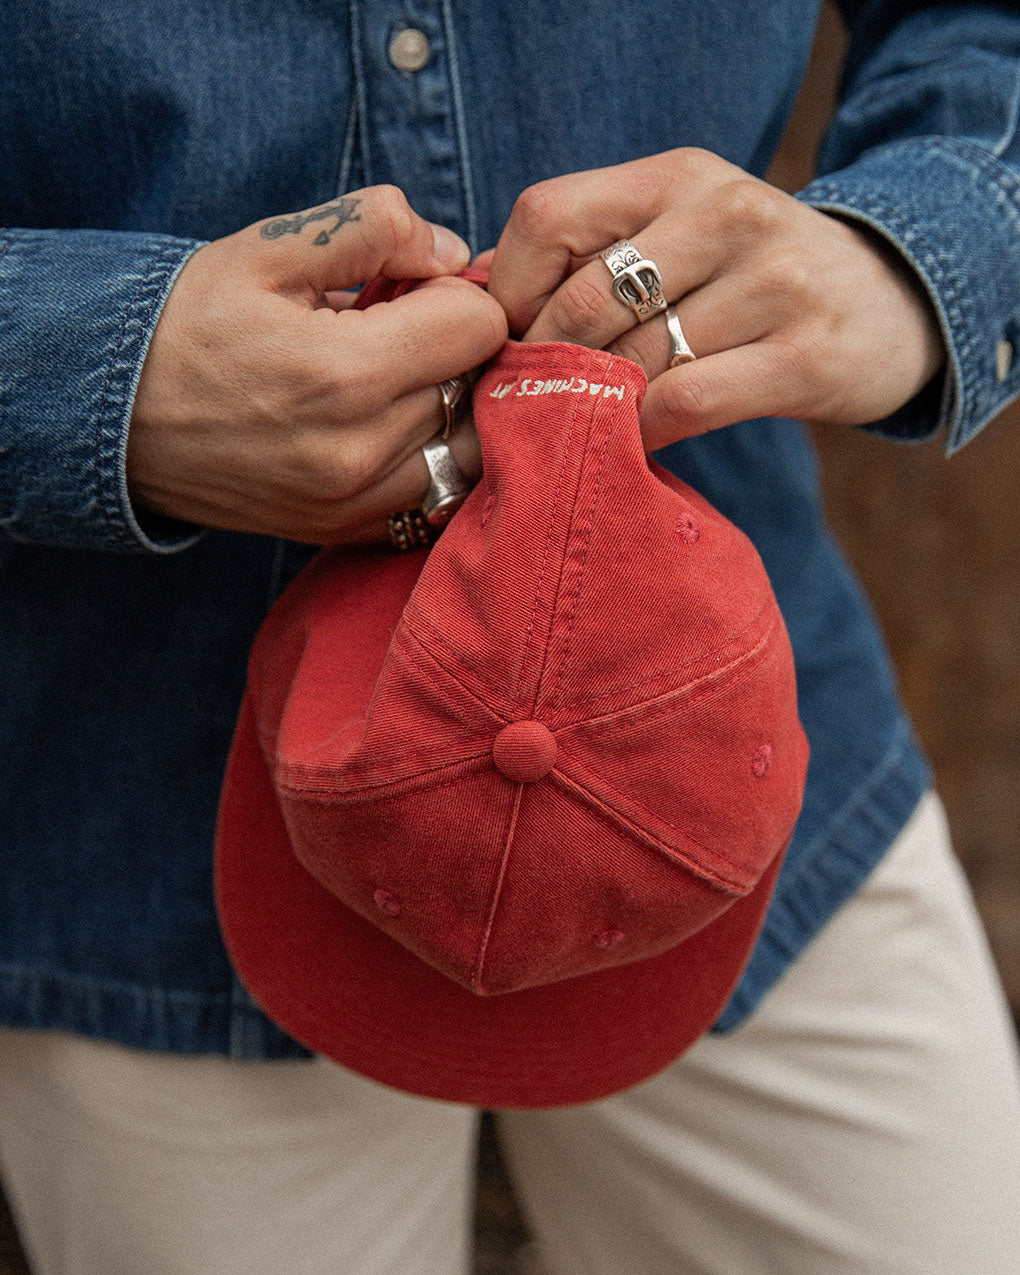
<point x="130" y="133"/>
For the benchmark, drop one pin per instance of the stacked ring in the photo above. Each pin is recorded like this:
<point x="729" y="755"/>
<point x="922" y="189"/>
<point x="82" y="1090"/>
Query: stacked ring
<point x="679" y="351"/>
<point x="453" y="393"/>
<point x="409" y="530"/>
<point x="448" y="485"/>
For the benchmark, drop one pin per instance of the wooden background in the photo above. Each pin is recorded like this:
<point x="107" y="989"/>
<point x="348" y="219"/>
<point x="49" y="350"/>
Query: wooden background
<point x="937" y="544"/>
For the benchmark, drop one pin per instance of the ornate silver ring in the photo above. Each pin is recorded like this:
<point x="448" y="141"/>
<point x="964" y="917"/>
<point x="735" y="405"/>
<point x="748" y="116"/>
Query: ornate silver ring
<point x="636" y="280"/>
<point x="679" y="350"/>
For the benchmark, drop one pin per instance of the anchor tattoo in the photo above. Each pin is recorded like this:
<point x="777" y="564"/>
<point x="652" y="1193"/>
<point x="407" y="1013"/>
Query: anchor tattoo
<point x="341" y="209"/>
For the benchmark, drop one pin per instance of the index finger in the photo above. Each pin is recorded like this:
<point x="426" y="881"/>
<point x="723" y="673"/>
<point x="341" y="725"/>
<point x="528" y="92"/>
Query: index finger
<point x="354" y="238"/>
<point x="417" y="340"/>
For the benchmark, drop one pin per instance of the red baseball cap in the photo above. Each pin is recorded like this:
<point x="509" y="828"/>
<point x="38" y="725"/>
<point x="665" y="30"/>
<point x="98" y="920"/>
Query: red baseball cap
<point x="501" y="820"/>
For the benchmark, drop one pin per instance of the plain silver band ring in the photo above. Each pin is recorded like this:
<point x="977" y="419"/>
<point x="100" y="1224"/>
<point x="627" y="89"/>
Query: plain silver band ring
<point x="679" y="351"/>
<point x="637" y="282"/>
<point x="453" y="392"/>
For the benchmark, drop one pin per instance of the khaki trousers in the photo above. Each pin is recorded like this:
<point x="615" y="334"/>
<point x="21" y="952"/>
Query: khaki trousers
<point x="865" y="1120"/>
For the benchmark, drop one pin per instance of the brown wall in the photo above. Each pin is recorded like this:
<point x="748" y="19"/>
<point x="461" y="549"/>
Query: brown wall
<point x="937" y="544"/>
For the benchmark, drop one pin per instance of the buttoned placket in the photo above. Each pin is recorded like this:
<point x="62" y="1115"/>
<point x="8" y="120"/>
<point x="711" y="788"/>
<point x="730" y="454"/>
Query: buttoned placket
<point x="411" y="127"/>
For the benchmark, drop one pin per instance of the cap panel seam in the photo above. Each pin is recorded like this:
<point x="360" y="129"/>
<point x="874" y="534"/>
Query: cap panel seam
<point x="480" y="696"/>
<point x="288" y="779"/>
<point x="497" y="889"/>
<point x="546" y="561"/>
<point x="481" y="690"/>
<point x="622" y="823"/>
<point x="709" y="683"/>
<point x="583" y="792"/>
<point x="586" y="548"/>
<point x="584" y="797"/>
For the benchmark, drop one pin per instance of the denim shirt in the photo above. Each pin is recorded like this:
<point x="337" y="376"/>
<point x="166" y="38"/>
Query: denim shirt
<point x="130" y="133"/>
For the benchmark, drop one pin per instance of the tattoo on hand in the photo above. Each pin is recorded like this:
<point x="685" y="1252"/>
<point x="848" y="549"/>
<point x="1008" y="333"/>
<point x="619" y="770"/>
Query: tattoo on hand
<point x="341" y="209"/>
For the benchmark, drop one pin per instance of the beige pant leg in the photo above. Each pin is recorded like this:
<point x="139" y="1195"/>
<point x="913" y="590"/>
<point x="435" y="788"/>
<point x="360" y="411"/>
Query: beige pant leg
<point x="118" y="1162"/>
<point x="865" y="1121"/>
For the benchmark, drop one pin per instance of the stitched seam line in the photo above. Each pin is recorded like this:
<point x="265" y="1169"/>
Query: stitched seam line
<point x="672" y="672"/>
<point x="497" y="890"/>
<point x="358" y="64"/>
<point x="703" y="687"/>
<point x="453" y="770"/>
<point x="692" y="690"/>
<point x="120" y="372"/>
<point x="1013" y="123"/>
<point x="589" y="531"/>
<point x="546" y="555"/>
<point x="646" y="838"/>
<point x="342" y="181"/>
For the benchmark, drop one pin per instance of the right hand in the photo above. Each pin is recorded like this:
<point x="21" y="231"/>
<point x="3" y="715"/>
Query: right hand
<point x="266" y="405"/>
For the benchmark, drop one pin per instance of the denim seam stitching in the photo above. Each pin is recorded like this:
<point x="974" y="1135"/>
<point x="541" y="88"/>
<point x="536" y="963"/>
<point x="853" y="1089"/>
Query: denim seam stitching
<point x="460" y="129"/>
<point x="114" y="396"/>
<point x="997" y="182"/>
<point x="1002" y="145"/>
<point x="1004" y="189"/>
<point x="342" y="180"/>
<point x="358" y="66"/>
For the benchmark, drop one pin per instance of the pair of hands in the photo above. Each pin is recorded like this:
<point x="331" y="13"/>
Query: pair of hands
<point x="268" y="404"/>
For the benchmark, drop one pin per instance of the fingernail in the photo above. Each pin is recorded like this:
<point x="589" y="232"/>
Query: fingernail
<point x="450" y="250"/>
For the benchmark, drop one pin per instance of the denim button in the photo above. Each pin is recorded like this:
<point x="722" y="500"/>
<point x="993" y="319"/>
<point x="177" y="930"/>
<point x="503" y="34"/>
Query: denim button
<point x="410" y="49"/>
<point x="1003" y="360"/>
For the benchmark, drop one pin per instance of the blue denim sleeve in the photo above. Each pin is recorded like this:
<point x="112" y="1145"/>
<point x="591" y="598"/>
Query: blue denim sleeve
<point x="925" y="149"/>
<point x="77" y="312"/>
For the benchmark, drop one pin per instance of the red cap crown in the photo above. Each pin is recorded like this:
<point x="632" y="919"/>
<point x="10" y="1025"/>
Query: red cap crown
<point x="567" y="748"/>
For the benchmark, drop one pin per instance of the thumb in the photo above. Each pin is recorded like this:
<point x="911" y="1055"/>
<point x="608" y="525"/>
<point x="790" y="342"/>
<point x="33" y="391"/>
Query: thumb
<point x="355" y="237"/>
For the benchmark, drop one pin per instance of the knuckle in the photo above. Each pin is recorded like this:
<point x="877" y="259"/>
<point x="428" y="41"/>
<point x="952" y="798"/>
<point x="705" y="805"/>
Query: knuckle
<point x="395" y="214"/>
<point x="692" y="160"/>
<point x="345" y="470"/>
<point x="693" y="169"/>
<point x="581" y="302"/>
<point x="649" y="181"/>
<point x="330" y="468"/>
<point x="538" y="210"/>
<point x="497" y="327"/>
<point x="485" y="317"/>
<point x="784" y="275"/>
<point x="336" y="382"/>
<point x="793" y="274"/>
<point x="685" y="397"/>
<point x="466" y="310"/>
<point x="749" y="206"/>
<point x="805" y="359"/>
<point x="644" y="346"/>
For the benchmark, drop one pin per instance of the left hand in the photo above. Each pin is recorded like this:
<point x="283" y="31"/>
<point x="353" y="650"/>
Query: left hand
<point x="791" y="312"/>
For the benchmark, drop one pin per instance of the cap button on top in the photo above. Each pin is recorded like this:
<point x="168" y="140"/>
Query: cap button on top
<point x="410" y="49"/>
<point x="524" y="751"/>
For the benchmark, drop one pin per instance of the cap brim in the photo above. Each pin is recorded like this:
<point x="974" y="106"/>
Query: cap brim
<point x="346" y="990"/>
